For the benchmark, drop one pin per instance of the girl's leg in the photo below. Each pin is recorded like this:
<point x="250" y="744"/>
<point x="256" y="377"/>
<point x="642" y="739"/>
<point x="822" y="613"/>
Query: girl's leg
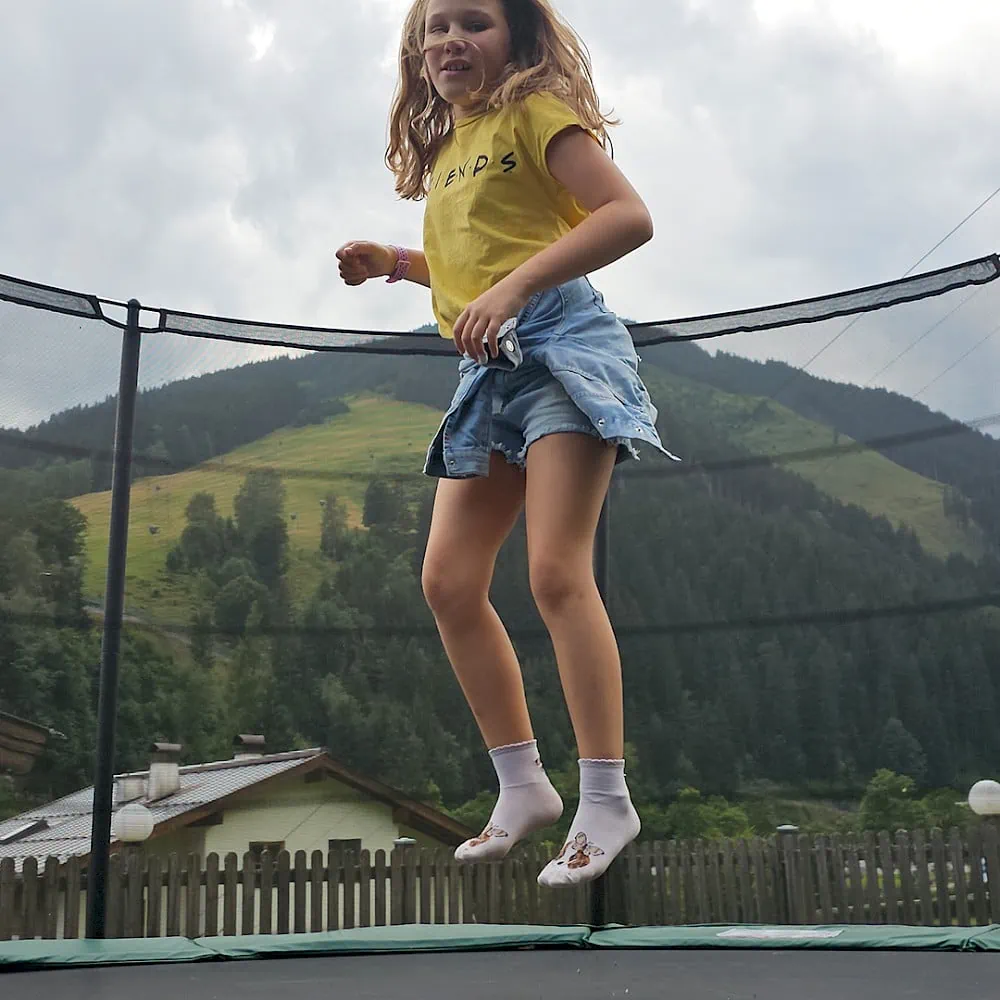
<point x="471" y="520"/>
<point x="567" y="479"/>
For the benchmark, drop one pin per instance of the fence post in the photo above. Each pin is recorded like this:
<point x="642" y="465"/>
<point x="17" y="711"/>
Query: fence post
<point x="787" y="841"/>
<point x="609" y="894"/>
<point x="406" y="846"/>
<point x="991" y="854"/>
<point x="114" y="601"/>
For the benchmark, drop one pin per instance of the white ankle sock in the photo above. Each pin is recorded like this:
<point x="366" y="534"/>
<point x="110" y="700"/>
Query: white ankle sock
<point x="527" y="803"/>
<point x="604" y="823"/>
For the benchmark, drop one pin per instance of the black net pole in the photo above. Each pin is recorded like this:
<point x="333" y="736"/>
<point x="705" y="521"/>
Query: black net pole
<point x="602" y="573"/>
<point x="114" y="602"/>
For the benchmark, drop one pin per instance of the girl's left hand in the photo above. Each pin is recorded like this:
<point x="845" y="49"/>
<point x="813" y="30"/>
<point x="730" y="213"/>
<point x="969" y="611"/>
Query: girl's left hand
<point x="481" y="319"/>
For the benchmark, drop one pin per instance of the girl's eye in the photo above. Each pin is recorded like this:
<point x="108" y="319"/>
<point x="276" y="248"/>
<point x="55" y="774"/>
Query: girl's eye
<point x="475" y="26"/>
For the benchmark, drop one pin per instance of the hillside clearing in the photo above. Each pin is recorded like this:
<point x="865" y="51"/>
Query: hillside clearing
<point x="865" y="478"/>
<point x="388" y="436"/>
<point x="377" y="435"/>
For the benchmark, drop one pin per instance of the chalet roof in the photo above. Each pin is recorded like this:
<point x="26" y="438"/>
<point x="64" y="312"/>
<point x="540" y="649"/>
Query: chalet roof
<point x="62" y="828"/>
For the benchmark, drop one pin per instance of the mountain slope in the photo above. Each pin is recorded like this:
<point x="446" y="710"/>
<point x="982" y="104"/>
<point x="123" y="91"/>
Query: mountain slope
<point x="968" y="460"/>
<point x="185" y="423"/>
<point x="866" y="478"/>
<point x="389" y="436"/>
<point x="377" y="435"/>
<point x="714" y="703"/>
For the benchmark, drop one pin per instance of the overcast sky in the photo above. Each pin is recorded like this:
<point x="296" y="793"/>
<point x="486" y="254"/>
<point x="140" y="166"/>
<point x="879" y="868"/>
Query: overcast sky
<point x="210" y="155"/>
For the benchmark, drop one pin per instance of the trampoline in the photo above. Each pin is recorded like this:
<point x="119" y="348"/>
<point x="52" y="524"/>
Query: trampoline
<point x="487" y="962"/>
<point x="493" y="962"/>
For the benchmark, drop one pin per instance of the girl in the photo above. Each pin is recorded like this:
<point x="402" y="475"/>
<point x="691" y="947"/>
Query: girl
<point x="496" y="124"/>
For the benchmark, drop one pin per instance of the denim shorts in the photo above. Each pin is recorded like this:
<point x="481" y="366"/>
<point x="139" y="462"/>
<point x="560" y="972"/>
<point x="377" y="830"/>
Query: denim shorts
<point x="529" y="404"/>
<point x="578" y="374"/>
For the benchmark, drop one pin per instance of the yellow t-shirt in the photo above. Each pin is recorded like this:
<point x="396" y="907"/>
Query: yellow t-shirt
<point x="492" y="203"/>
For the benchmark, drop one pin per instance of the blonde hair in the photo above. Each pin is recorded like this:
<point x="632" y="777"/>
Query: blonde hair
<point x="546" y="56"/>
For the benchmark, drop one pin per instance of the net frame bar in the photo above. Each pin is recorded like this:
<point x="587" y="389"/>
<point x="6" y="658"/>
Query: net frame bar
<point x="49" y="298"/>
<point x="820" y="308"/>
<point x="815" y="309"/>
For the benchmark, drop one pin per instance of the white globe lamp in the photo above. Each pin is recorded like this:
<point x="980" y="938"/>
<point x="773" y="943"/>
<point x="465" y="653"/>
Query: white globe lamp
<point x="984" y="798"/>
<point x="132" y="824"/>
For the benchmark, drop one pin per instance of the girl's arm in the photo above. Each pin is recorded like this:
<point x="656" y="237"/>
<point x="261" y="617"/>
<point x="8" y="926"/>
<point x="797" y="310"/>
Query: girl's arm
<point x="618" y="224"/>
<point x="361" y="260"/>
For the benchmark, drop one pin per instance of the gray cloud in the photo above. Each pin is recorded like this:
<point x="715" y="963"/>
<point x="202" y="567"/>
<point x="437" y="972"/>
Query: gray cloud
<point x="150" y="154"/>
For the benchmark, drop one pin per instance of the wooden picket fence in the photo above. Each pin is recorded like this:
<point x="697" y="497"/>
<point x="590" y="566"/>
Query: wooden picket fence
<point x="912" y="878"/>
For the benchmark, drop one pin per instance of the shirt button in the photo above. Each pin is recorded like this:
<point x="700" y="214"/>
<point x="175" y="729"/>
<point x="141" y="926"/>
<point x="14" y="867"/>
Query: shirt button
<point x="600" y="423"/>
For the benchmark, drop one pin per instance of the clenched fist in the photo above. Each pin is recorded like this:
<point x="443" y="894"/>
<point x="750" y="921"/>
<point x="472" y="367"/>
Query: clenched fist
<point x="360" y="261"/>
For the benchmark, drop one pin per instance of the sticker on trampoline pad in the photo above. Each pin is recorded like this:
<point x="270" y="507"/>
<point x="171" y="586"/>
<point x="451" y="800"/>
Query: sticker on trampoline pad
<point x="779" y="933"/>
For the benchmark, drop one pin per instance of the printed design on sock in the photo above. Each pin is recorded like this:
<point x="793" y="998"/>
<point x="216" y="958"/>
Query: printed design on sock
<point x="582" y="852"/>
<point x="491" y="831"/>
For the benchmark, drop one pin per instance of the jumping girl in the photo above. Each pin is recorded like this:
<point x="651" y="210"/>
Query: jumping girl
<point x="497" y="125"/>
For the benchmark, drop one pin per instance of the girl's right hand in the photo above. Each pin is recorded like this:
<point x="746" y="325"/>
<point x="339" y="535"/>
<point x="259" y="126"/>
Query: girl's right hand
<point x="360" y="261"/>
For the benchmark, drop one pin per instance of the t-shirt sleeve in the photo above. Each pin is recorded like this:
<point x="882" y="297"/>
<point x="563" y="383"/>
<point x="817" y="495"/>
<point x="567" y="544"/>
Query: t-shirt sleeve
<point x="545" y="117"/>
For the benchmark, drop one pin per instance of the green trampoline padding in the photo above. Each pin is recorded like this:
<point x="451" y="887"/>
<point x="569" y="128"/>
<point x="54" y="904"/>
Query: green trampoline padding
<point x="361" y="941"/>
<point x="134" y="951"/>
<point x="986" y="939"/>
<point x="406" y="938"/>
<point x="840" y="937"/>
<point x="483" y="937"/>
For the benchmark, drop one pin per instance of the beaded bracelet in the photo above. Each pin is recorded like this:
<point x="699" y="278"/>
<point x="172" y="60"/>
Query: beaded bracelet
<point x="402" y="265"/>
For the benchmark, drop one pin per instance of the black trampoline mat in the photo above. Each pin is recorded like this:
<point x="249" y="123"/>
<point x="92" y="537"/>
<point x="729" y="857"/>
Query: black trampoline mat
<point x="526" y="975"/>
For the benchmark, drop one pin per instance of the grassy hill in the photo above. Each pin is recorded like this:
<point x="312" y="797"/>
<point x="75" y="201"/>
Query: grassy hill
<point x="964" y="458"/>
<point x="865" y="478"/>
<point x="809" y="706"/>
<point x="377" y="435"/>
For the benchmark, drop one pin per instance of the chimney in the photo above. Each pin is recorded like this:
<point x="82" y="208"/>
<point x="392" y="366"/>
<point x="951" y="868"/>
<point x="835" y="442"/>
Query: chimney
<point x="164" y="771"/>
<point x="129" y="788"/>
<point x="248" y="746"/>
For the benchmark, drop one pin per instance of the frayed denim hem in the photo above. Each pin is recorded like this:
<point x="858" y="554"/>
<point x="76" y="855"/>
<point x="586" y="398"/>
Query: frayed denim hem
<point x="519" y="461"/>
<point x="628" y="444"/>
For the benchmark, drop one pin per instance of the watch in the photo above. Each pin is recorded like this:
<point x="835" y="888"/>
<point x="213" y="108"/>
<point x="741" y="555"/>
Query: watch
<point x="402" y="265"/>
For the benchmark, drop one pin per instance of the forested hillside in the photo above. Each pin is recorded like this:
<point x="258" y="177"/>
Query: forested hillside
<point x="346" y="655"/>
<point x="187" y="422"/>
<point x="968" y="461"/>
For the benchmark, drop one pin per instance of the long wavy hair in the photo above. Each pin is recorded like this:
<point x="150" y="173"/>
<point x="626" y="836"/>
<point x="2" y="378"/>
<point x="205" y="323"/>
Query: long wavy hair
<point x="546" y="56"/>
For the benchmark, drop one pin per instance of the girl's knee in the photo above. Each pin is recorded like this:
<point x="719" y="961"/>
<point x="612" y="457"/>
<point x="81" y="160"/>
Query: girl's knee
<point x="558" y="583"/>
<point x="436" y="587"/>
<point x="448" y="592"/>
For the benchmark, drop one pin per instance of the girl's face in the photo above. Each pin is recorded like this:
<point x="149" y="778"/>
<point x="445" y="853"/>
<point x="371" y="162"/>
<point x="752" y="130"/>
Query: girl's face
<point x="457" y="68"/>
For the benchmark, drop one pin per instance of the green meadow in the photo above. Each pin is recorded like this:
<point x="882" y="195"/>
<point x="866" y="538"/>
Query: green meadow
<point x="378" y="435"/>
<point x="381" y="435"/>
<point x="865" y="478"/>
